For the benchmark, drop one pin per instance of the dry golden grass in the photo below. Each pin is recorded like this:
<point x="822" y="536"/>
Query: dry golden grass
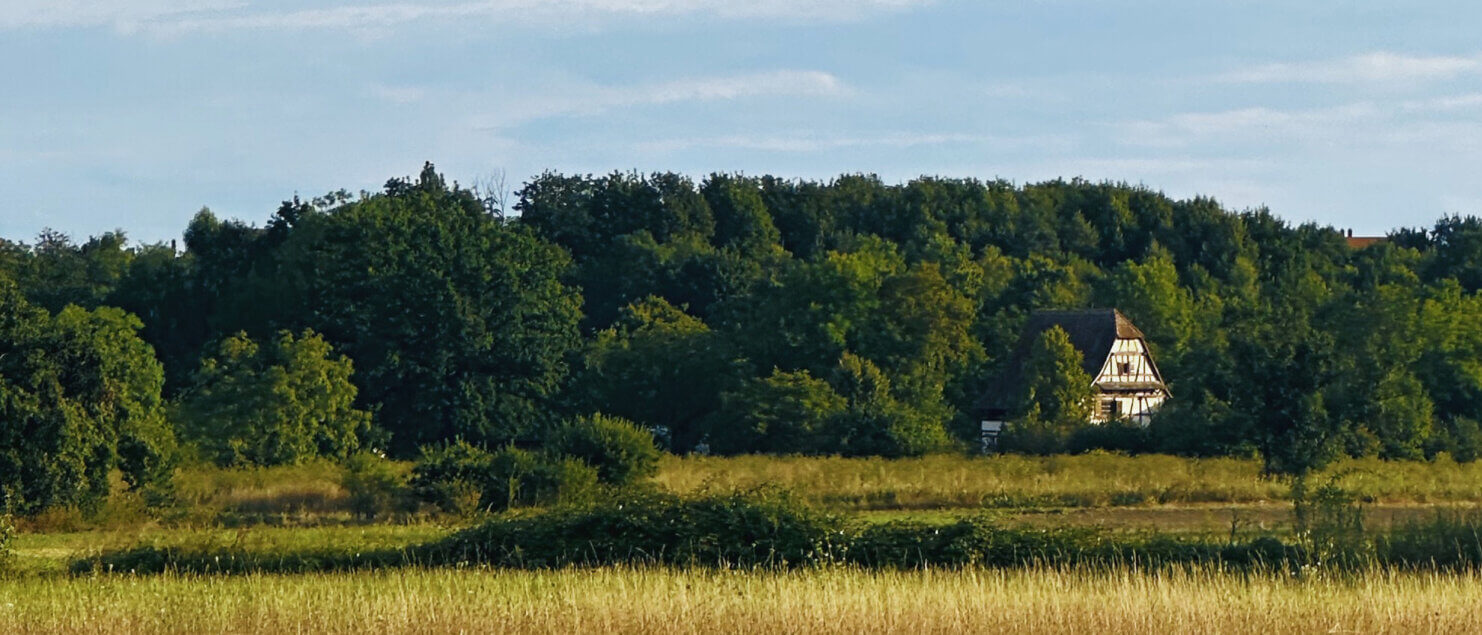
<point x="1090" y="480"/>
<point x="310" y="488"/>
<point x="674" y="601"/>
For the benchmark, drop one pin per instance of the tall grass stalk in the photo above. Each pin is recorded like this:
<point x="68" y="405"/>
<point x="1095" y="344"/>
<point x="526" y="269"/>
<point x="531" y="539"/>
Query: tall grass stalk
<point x="661" y="600"/>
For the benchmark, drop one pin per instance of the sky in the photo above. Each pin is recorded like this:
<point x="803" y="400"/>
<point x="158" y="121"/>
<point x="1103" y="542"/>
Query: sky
<point x="134" y="115"/>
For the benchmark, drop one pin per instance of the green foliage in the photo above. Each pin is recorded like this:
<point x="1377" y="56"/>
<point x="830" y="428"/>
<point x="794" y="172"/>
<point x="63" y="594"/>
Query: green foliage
<point x="452" y="476"/>
<point x="1449" y="539"/>
<point x="621" y="452"/>
<point x="377" y="486"/>
<point x="7" y="534"/>
<point x="1055" y="396"/>
<point x="1118" y="435"/>
<point x="659" y="367"/>
<point x="285" y="401"/>
<point x="875" y="423"/>
<point x="783" y="413"/>
<point x="459" y="324"/>
<point x="979" y="541"/>
<point x="463" y="479"/>
<point x="1329" y="522"/>
<point x="1460" y="438"/>
<point x="1287" y="410"/>
<point x="59" y="272"/>
<point x="1150" y="294"/>
<point x="1275" y="338"/>
<point x="79" y="398"/>
<point x="744" y="530"/>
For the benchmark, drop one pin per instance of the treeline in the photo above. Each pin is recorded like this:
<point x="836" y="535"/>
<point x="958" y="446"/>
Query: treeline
<point x="733" y="315"/>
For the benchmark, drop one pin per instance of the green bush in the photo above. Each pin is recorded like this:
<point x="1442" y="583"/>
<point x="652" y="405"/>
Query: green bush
<point x="622" y="452"/>
<point x="1451" y="540"/>
<point x="1120" y="435"/>
<point x="736" y="530"/>
<point x="783" y="413"/>
<point x="1459" y="437"/>
<point x="772" y="529"/>
<point x="980" y="541"/>
<point x="520" y="478"/>
<point x="461" y="478"/>
<point x="213" y="557"/>
<point x="451" y="476"/>
<point x="7" y="533"/>
<point x="376" y="487"/>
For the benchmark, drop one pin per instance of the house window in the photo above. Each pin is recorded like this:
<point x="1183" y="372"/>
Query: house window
<point x="1124" y="368"/>
<point x="1110" y="409"/>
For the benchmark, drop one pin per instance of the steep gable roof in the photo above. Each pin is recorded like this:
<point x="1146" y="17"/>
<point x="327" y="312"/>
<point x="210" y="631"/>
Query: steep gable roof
<point x="1093" y="332"/>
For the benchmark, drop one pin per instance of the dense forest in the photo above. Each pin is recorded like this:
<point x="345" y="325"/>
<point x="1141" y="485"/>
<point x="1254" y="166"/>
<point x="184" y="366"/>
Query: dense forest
<point x="731" y="315"/>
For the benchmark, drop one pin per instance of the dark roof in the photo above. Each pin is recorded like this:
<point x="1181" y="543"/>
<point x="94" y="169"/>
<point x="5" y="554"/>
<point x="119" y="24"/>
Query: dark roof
<point x="1091" y="331"/>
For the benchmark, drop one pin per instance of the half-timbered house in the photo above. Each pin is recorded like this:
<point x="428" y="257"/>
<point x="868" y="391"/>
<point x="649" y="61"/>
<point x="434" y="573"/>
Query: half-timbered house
<point x="1116" y="357"/>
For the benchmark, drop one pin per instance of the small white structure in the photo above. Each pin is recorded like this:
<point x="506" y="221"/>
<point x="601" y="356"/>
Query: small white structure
<point x="1117" y="358"/>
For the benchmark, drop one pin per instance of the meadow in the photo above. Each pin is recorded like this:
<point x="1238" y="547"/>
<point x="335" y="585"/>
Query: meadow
<point x="663" y="600"/>
<point x="275" y="515"/>
<point x="1096" y="479"/>
<point x="316" y="492"/>
<point x="1147" y="491"/>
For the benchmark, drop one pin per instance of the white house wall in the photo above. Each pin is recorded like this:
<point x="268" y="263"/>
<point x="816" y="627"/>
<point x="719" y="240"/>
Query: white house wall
<point x="1137" y="404"/>
<point x="1135" y="354"/>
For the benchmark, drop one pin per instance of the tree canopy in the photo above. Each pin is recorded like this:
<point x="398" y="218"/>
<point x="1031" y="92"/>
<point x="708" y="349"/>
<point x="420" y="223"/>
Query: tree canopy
<point x="766" y="314"/>
<point x="282" y="401"/>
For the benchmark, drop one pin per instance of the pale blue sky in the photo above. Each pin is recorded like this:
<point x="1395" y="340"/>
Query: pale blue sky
<point x="1359" y="114"/>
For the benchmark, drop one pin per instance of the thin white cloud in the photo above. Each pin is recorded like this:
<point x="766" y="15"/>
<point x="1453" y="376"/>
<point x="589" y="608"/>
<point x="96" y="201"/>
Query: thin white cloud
<point x="1124" y="167"/>
<point x="1248" y="124"/>
<point x="805" y="143"/>
<point x="1472" y="101"/>
<point x="1374" y="67"/>
<point x="397" y="94"/>
<point x="174" y="17"/>
<point x="24" y="14"/>
<point x="592" y="100"/>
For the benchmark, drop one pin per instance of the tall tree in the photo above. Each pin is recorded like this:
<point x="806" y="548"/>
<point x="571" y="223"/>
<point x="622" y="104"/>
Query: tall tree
<point x="1055" y="395"/>
<point x="280" y="402"/>
<point x="658" y="367"/>
<point x="459" y="325"/>
<point x="79" y="399"/>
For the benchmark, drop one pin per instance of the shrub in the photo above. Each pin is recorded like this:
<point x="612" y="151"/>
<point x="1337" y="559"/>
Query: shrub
<point x="7" y="533"/>
<point x="519" y="477"/>
<point x="1458" y="436"/>
<point x="979" y="541"/>
<point x="461" y="479"/>
<point x="1450" y="540"/>
<point x="621" y="452"/>
<point x="1120" y="435"/>
<point x="736" y="530"/>
<point x="375" y="485"/>
<point x="451" y="476"/>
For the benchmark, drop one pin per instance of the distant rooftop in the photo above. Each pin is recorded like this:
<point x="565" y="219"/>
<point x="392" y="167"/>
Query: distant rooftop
<point x="1360" y="242"/>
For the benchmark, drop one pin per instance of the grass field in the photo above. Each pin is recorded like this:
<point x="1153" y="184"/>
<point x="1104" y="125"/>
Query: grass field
<point x="686" y="601"/>
<point x="1089" y="480"/>
<point x="303" y="508"/>
<point x="1143" y="492"/>
<point x="51" y="553"/>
